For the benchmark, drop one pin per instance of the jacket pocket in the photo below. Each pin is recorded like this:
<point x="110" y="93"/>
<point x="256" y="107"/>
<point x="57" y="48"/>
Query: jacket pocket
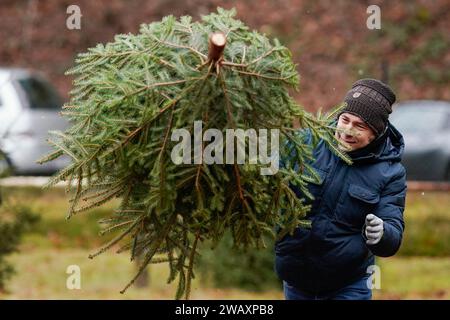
<point x="293" y="244"/>
<point x="358" y="202"/>
<point x="363" y="194"/>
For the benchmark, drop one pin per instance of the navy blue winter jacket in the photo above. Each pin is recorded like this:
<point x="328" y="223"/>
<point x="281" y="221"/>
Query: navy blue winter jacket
<point x="333" y="252"/>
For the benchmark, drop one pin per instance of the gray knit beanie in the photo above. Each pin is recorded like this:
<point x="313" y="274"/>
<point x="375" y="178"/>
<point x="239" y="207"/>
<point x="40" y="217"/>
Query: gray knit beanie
<point x="371" y="100"/>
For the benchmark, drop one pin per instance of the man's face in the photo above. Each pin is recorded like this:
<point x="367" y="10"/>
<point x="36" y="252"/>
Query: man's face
<point x="356" y="135"/>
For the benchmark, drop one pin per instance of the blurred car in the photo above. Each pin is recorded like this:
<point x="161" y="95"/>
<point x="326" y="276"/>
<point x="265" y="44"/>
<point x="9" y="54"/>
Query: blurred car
<point x="425" y="125"/>
<point x="29" y="107"/>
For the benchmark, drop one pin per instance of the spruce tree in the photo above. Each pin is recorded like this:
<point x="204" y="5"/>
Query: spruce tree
<point x="5" y="169"/>
<point x="128" y="97"/>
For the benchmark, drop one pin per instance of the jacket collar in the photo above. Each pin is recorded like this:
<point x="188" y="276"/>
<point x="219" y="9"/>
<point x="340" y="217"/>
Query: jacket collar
<point x="389" y="146"/>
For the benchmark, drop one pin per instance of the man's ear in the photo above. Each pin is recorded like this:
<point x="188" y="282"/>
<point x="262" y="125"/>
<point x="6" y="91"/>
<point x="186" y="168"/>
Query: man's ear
<point x="373" y="136"/>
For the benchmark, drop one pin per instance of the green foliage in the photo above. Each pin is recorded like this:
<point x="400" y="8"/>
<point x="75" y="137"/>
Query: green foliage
<point x="422" y="50"/>
<point x="401" y="34"/>
<point x="15" y="220"/>
<point x="228" y="267"/>
<point x="130" y="94"/>
<point x="5" y="169"/>
<point x="419" y="65"/>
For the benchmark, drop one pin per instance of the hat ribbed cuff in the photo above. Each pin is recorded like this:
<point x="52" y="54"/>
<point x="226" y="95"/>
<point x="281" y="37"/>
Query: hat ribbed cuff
<point x="370" y="116"/>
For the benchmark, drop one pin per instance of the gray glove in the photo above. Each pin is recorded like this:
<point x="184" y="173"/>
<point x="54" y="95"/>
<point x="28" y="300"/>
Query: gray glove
<point x="374" y="229"/>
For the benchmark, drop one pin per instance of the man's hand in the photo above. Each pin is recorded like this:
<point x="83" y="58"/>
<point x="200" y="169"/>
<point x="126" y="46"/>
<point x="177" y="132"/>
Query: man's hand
<point x="374" y="229"/>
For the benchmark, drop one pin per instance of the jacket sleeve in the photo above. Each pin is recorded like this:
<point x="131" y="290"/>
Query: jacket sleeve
<point x="390" y="210"/>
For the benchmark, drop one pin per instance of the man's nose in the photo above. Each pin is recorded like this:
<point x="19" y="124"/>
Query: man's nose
<point x="347" y="126"/>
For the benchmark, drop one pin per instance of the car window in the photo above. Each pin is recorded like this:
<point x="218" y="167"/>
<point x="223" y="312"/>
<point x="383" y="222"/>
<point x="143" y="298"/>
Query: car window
<point x="40" y="94"/>
<point x="418" y="119"/>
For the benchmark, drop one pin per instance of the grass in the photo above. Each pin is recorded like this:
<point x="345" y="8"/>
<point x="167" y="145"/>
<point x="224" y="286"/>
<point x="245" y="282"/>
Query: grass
<point x="55" y="230"/>
<point x="414" y="278"/>
<point x="41" y="274"/>
<point x="427" y="224"/>
<point x="56" y="243"/>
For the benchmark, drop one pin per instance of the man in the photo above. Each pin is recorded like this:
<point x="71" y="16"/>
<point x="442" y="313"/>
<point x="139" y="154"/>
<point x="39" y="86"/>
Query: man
<point x="357" y="211"/>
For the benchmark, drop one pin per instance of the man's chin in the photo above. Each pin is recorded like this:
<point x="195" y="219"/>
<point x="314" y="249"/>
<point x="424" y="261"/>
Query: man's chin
<point x="345" y="148"/>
